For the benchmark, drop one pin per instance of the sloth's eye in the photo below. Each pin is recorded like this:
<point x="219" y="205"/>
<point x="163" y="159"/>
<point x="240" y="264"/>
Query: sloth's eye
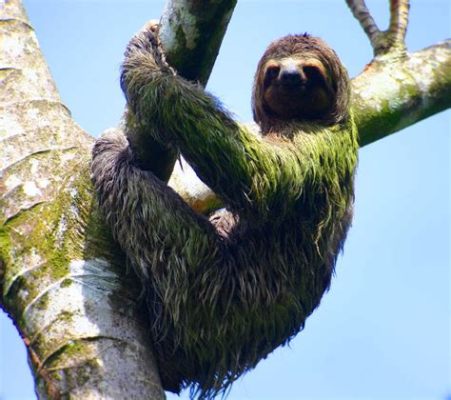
<point x="272" y="73"/>
<point x="313" y="74"/>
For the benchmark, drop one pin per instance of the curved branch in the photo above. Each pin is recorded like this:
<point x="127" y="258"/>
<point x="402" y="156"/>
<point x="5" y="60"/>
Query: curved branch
<point x="395" y="93"/>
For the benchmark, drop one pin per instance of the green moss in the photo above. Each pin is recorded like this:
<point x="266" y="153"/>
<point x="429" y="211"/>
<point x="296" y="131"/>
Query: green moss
<point x="45" y="238"/>
<point x="43" y="301"/>
<point x="5" y="251"/>
<point x="66" y="283"/>
<point x="81" y="352"/>
<point x="65" y="317"/>
<point x="74" y="349"/>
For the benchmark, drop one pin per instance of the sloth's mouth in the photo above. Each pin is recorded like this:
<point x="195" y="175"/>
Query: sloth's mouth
<point x="285" y="96"/>
<point x="293" y="86"/>
<point x="290" y="91"/>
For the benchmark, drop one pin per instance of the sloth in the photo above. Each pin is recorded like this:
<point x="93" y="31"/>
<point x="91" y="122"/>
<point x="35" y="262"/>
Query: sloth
<point x="222" y="293"/>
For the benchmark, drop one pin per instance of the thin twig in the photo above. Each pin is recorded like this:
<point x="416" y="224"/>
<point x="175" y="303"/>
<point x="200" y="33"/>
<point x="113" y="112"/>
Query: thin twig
<point x="399" y="19"/>
<point x="393" y="39"/>
<point x="363" y="15"/>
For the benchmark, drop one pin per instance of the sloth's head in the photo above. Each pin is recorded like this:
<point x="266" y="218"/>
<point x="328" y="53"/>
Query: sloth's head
<point x="300" y="78"/>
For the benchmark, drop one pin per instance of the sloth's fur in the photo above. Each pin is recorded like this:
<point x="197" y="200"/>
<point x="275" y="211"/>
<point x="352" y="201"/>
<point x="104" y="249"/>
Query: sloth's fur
<point x="221" y="299"/>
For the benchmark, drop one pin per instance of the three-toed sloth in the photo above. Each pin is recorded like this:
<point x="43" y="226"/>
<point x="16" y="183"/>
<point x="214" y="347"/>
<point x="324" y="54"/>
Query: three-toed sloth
<point x="221" y="299"/>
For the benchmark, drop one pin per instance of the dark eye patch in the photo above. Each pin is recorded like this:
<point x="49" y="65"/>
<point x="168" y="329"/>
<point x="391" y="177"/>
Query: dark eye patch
<point x="313" y="74"/>
<point x="271" y="73"/>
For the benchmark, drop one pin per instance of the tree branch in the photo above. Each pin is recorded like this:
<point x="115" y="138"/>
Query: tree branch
<point x="363" y="15"/>
<point x="394" y="93"/>
<point x="191" y="33"/>
<point x="383" y="42"/>
<point x="399" y="19"/>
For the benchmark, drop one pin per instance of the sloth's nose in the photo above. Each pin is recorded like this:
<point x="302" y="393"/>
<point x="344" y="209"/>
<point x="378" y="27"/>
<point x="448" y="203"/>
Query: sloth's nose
<point x="292" y="76"/>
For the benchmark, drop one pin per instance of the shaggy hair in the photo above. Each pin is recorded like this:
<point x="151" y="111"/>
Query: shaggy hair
<point x="222" y="295"/>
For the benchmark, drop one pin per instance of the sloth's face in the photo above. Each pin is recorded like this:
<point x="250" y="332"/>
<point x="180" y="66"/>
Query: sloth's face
<point x="296" y="88"/>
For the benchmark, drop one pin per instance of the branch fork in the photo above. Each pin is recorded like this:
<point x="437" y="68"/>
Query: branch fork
<point x="391" y="40"/>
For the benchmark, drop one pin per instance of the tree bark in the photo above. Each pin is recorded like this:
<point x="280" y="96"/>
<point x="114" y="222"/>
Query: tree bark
<point x="62" y="279"/>
<point x="192" y="32"/>
<point x="395" y="92"/>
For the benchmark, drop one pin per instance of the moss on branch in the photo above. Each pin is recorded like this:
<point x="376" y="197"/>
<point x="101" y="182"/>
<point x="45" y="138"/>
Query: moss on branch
<point x="395" y="92"/>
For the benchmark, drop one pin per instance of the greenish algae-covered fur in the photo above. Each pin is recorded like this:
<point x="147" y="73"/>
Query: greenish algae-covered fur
<point x="221" y="300"/>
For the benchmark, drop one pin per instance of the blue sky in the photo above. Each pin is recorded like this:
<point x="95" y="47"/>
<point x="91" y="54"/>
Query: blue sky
<point x="383" y="330"/>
